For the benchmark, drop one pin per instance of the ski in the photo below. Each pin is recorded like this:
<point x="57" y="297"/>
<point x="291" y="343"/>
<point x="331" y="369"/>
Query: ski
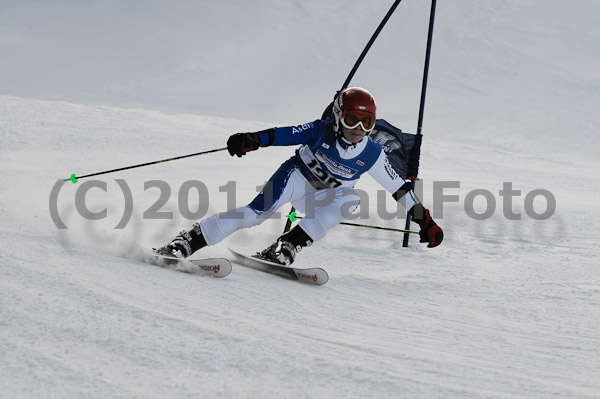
<point x="214" y="267"/>
<point x="313" y="275"/>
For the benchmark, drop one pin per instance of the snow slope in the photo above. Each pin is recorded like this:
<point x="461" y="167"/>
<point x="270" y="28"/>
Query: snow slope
<point x="502" y="309"/>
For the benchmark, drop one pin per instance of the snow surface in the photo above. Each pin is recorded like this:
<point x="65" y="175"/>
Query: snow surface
<point x="502" y="309"/>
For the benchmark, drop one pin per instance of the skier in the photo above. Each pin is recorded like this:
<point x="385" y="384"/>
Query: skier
<point x="318" y="180"/>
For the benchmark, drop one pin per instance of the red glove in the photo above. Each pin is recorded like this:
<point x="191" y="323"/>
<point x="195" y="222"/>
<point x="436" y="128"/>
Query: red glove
<point x="430" y="231"/>
<point x="241" y="143"/>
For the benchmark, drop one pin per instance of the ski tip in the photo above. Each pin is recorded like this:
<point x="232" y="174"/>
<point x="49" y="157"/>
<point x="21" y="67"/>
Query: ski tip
<point x="214" y="267"/>
<point x="315" y="276"/>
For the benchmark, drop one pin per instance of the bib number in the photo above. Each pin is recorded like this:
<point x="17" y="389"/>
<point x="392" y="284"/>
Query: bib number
<point x="323" y="175"/>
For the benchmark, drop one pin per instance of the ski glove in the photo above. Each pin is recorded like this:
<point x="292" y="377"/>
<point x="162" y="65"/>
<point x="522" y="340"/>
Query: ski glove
<point x="241" y="143"/>
<point x="430" y="231"/>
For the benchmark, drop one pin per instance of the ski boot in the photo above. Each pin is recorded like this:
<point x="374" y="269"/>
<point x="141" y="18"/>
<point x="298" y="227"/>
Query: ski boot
<point x="185" y="244"/>
<point x="284" y="250"/>
<point x="280" y="252"/>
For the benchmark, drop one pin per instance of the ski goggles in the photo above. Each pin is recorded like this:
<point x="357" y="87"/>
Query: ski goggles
<point x="352" y="120"/>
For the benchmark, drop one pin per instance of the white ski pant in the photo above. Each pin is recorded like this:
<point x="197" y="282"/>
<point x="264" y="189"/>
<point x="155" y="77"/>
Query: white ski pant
<point x="323" y="209"/>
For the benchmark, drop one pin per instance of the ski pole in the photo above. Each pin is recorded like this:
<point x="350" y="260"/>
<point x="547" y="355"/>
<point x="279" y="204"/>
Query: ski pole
<point x="370" y="227"/>
<point x="370" y="43"/>
<point x="74" y="178"/>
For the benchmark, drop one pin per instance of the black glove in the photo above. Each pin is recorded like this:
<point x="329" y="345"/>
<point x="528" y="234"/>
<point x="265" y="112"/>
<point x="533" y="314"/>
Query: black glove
<point x="241" y="143"/>
<point x="430" y="231"/>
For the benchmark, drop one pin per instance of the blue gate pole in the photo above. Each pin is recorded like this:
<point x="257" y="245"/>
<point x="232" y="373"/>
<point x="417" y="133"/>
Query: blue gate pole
<point x="416" y="151"/>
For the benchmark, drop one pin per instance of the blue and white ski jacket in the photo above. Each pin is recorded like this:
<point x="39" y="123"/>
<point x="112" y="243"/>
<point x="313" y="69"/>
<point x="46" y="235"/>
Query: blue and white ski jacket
<point x="327" y="162"/>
